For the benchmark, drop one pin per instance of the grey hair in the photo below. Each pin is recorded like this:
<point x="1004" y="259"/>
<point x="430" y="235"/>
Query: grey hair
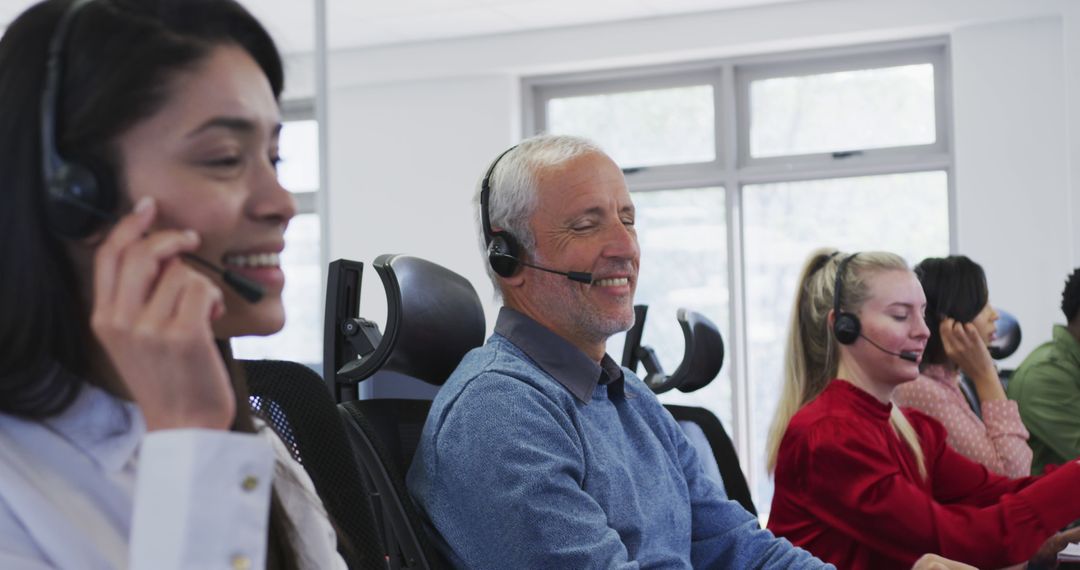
<point x="513" y="187"/>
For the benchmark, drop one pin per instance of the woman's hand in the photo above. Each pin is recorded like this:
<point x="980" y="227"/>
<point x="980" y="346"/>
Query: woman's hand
<point x="152" y="314"/>
<point x="966" y="348"/>
<point x="935" y="562"/>
<point x="1046" y="557"/>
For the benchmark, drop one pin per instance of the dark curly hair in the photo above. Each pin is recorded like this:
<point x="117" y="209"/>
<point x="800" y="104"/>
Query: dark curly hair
<point x="1070" y="297"/>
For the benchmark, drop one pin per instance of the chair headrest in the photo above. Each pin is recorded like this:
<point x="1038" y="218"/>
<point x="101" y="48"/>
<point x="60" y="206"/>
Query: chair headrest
<point x="433" y="318"/>
<point x="703" y="353"/>
<point x="1006" y="337"/>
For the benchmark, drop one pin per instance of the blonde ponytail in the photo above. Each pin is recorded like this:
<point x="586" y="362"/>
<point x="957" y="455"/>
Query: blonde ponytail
<point x="904" y="429"/>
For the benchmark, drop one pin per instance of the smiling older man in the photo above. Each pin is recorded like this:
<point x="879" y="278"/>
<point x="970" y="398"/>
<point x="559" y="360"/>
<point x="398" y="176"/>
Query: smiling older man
<point x="540" y="451"/>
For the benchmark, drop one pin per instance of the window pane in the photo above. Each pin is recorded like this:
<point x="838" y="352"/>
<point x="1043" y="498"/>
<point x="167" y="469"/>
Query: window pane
<point x="299" y="149"/>
<point x="903" y="213"/>
<point x="301" y="339"/>
<point x="642" y="128"/>
<point x="847" y="110"/>
<point x="683" y="264"/>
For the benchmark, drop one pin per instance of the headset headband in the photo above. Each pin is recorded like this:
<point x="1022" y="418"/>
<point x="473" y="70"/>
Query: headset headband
<point x="839" y="280"/>
<point x="52" y="162"/>
<point x="485" y="196"/>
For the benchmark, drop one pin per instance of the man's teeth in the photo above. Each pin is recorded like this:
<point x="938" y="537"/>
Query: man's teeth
<point x="253" y="260"/>
<point x="616" y="282"/>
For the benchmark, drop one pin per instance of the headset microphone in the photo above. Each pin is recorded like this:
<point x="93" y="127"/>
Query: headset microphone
<point x="249" y="290"/>
<point x="579" y="276"/>
<point x="903" y="354"/>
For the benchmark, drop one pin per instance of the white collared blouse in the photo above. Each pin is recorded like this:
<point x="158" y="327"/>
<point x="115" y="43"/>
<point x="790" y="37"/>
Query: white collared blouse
<point x="92" y="489"/>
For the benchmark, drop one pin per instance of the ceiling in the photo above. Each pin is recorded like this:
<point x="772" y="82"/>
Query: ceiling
<point x="364" y="23"/>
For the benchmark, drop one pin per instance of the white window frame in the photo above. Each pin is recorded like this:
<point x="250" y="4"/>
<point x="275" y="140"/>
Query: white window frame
<point x="733" y="169"/>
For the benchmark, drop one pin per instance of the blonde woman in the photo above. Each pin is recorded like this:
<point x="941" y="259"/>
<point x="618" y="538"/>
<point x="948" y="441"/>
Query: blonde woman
<point x="862" y="484"/>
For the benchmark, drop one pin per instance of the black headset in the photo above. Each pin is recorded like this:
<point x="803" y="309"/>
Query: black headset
<point x="846" y="326"/>
<point x="502" y="246"/>
<point x="78" y="198"/>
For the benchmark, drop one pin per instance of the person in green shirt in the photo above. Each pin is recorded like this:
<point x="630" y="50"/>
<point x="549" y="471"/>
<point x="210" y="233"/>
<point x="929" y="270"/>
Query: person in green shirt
<point x="1047" y="388"/>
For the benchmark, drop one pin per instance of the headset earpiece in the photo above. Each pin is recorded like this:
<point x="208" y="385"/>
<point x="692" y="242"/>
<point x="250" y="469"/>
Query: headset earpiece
<point x="502" y="254"/>
<point x="80" y="199"/>
<point x="502" y="248"/>
<point x="846" y="326"/>
<point x="79" y="196"/>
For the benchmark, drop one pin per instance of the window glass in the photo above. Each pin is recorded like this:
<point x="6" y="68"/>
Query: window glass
<point x="298" y="146"/>
<point x="642" y="128"/>
<point x="842" y="111"/>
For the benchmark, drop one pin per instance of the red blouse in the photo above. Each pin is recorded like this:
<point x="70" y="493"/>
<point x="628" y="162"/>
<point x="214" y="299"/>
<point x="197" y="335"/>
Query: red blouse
<point x="848" y="490"/>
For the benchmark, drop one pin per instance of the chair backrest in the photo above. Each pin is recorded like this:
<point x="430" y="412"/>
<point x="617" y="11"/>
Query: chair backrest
<point x="386" y="433"/>
<point x="294" y="400"/>
<point x="722" y="449"/>
<point x="434" y="317"/>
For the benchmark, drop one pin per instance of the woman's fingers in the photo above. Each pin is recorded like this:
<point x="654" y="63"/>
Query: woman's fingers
<point x="948" y="334"/>
<point x="128" y="230"/>
<point x="957" y="337"/>
<point x="162" y="306"/>
<point x="140" y="268"/>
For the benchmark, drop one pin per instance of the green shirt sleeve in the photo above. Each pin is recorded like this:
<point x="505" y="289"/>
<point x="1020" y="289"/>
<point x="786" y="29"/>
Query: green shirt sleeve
<point x="1047" y="389"/>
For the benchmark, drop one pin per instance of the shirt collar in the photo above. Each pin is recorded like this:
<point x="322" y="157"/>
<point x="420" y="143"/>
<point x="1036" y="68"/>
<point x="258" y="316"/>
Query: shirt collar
<point x="104" y="427"/>
<point x="563" y="361"/>
<point x="1066" y="343"/>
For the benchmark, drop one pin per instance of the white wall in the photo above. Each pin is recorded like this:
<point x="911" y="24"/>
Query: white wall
<point x="406" y="159"/>
<point x="413" y="127"/>
<point x="1012" y="165"/>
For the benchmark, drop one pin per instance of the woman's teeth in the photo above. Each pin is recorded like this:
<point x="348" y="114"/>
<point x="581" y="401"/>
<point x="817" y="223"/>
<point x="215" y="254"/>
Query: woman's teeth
<point x="616" y="282"/>
<point x="253" y="260"/>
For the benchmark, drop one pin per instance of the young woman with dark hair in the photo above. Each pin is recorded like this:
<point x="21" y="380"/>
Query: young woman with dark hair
<point x="864" y="484"/>
<point x="961" y="322"/>
<point x="148" y="136"/>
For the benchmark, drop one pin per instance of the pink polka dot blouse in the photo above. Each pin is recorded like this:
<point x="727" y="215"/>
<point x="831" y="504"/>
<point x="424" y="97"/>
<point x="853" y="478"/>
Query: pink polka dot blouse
<point x="998" y="440"/>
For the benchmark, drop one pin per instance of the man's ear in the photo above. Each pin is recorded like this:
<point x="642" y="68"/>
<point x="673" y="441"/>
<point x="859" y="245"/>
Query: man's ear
<point x="515" y="281"/>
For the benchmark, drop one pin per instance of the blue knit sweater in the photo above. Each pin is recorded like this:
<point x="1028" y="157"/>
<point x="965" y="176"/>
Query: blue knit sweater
<point x="514" y="471"/>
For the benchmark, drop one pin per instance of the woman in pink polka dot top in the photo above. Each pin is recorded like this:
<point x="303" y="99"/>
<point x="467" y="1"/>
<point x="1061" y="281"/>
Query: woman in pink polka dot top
<point x="961" y="322"/>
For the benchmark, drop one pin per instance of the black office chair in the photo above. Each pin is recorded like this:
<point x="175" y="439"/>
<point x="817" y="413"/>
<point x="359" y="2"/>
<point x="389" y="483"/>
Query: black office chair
<point x="293" y="400"/>
<point x="703" y="357"/>
<point x="434" y="317"/>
